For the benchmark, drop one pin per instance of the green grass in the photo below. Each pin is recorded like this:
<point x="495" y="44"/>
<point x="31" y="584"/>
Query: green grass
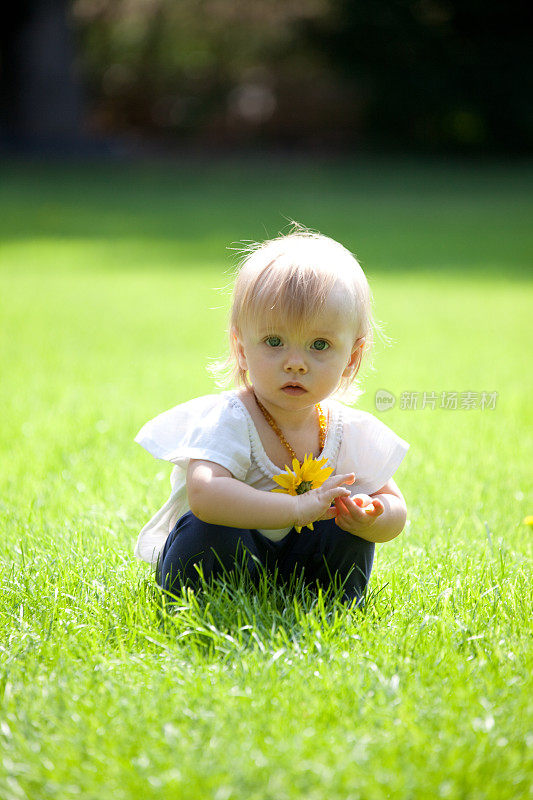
<point x="108" y="315"/>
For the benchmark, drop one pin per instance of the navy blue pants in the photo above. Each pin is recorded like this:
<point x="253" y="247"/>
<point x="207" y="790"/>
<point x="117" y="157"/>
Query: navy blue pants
<point x="322" y="554"/>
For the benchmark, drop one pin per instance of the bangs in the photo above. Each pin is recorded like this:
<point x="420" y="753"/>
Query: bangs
<point x="280" y="293"/>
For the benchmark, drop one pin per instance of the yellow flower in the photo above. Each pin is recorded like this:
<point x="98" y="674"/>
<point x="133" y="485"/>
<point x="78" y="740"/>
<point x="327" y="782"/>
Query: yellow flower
<point x="528" y="520"/>
<point x="302" y="478"/>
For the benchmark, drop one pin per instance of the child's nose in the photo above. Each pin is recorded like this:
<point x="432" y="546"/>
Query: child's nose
<point x="295" y="362"/>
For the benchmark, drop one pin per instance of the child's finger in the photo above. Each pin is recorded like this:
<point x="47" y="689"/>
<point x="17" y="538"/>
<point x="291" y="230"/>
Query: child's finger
<point x="335" y="492"/>
<point x="338" y="480"/>
<point x="349" y="478"/>
<point x="340" y="505"/>
<point x="351" y="506"/>
<point x="375" y="510"/>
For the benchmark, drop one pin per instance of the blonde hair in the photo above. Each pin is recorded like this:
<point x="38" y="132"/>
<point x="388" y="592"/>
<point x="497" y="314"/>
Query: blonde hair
<point x="291" y="277"/>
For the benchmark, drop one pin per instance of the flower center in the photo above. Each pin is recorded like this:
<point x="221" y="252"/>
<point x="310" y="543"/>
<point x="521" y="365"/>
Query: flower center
<point x="304" y="486"/>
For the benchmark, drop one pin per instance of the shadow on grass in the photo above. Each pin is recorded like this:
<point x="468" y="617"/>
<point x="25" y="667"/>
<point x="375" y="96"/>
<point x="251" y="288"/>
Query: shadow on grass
<point x="233" y="612"/>
<point x="397" y="215"/>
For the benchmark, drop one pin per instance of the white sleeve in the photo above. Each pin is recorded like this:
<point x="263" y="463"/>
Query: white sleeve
<point x="370" y="449"/>
<point x="210" y="428"/>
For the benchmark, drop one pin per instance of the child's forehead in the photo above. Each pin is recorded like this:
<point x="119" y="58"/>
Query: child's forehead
<point x="329" y="319"/>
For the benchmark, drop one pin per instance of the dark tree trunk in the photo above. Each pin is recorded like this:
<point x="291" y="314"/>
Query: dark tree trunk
<point x="40" y="98"/>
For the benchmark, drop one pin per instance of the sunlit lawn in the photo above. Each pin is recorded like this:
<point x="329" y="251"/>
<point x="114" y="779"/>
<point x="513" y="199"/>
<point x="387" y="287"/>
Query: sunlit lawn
<point x="110" y="308"/>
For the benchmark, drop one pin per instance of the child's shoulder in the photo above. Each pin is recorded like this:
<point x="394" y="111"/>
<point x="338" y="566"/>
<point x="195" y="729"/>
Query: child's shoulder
<point x="205" y="408"/>
<point x="369" y="448"/>
<point x="359" y="424"/>
<point x="210" y="421"/>
<point x="351" y="415"/>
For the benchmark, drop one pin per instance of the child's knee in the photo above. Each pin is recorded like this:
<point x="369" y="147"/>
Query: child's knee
<point x="345" y="553"/>
<point x="198" y="547"/>
<point x="191" y="534"/>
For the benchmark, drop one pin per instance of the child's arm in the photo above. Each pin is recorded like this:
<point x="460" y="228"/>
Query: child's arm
<point x="379" y="517"/>
<point x="215" y="496"/>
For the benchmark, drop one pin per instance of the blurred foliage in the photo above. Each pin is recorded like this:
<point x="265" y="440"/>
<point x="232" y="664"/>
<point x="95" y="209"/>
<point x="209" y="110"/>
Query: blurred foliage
<point x="441" y="72"/>
<point x="423" y="73"/>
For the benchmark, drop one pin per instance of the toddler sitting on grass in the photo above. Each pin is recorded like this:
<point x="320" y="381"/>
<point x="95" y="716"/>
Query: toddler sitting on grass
<point x="277" y="472"/>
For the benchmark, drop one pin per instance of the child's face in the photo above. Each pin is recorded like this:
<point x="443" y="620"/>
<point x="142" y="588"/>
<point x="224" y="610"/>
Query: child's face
<point x="291" y="369"/>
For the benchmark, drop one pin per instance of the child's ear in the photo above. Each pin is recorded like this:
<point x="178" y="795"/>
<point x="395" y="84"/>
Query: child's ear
<point x="239" y="349"/>
<point x="355" y="359"/>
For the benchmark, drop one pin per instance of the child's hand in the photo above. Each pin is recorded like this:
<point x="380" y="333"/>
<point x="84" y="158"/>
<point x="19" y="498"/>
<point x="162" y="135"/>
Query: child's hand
<point x="358" y="513"/>
<point x="316" y="504"/>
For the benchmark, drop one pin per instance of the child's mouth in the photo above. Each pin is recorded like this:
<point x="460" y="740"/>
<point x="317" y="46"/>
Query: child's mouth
<point x="293" y="389"/>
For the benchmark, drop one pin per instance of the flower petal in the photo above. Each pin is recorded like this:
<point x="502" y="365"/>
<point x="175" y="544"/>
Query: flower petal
<point x="284" y="480"/>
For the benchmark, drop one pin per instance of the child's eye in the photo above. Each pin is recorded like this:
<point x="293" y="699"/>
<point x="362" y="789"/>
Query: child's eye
<point x="273" y="341"/>
<point x="320" y="344"/>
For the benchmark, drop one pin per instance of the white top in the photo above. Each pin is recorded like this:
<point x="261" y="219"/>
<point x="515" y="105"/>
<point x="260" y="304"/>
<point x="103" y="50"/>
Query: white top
<point x="219" y="428"/>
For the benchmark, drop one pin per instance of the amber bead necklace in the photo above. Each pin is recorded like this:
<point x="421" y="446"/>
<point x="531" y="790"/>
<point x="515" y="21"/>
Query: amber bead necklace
<point x="322" y="427"/>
